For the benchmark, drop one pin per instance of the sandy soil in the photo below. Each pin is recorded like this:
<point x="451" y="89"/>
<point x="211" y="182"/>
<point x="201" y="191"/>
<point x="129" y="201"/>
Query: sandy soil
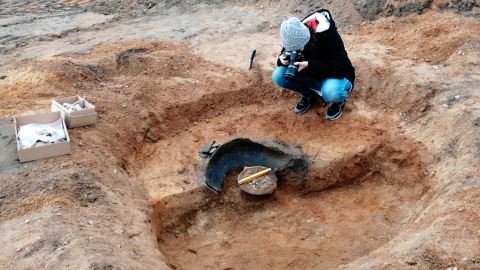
<point x="393" y="184"/>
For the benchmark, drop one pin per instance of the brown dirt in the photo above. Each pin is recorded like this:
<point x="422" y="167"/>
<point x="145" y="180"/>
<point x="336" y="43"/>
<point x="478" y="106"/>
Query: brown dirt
<point x="393" y="184"/>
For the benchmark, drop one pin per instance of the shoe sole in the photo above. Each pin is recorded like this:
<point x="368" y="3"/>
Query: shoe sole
<point x="335" y="117"/>
<point x="302" y="112"/>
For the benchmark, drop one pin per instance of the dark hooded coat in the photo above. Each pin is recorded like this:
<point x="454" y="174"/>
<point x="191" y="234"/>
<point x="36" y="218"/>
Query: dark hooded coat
<point x="326" y="54"/>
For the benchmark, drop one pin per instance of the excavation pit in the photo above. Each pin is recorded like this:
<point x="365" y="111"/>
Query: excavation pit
<point x="242" y="152"/>
<point x="339" y="213"/>
<point x="369" y="200"/>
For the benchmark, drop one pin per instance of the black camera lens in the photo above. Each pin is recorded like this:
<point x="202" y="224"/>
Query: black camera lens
<point x="291" y="69"/>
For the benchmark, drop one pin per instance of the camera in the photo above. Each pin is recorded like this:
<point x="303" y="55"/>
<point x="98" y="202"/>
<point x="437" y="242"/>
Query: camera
<point x="293" y="56"/>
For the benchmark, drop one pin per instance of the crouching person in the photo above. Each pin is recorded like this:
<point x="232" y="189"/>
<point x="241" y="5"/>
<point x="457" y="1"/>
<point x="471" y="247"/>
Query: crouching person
<point x="314" y="63"/>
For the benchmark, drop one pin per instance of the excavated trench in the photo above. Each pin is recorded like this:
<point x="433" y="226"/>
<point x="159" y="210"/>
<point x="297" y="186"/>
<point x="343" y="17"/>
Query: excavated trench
<point x="338" y="198"/>
<point x="325" y="211"/>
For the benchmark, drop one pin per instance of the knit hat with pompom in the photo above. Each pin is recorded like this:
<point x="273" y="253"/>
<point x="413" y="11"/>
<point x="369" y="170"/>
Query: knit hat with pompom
<point x="294" y="34"/>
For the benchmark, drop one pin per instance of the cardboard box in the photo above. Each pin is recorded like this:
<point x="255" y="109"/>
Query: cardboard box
<point x="44" y="150"/>
<point x="86" y="116"/>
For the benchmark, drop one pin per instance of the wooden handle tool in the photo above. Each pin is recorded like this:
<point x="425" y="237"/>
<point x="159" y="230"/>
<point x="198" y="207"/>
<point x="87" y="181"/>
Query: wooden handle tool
<point x="253" y="176"/>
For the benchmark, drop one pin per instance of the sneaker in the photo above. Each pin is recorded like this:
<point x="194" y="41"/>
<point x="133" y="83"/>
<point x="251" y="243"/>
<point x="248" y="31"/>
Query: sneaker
<point x="303" y="105"/>
<point x="335" y="110"/>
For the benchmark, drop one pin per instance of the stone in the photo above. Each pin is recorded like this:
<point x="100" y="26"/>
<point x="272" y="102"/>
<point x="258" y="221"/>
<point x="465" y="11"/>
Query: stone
<point x="261" y="185"/>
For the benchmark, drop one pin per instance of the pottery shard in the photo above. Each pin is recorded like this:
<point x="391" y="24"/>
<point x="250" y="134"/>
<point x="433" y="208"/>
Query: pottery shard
<point x="261" y="185"/>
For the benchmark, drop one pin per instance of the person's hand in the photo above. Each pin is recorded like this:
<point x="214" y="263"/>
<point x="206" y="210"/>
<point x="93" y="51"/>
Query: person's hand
<point x="301" y="65"/>
<point x="283" y="60"/>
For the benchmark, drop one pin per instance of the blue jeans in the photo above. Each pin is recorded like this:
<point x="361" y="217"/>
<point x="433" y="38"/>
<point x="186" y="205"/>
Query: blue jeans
<point x="332" y="90"/>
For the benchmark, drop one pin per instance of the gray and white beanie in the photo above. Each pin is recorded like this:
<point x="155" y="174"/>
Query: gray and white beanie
<point x="294" y="34"/>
